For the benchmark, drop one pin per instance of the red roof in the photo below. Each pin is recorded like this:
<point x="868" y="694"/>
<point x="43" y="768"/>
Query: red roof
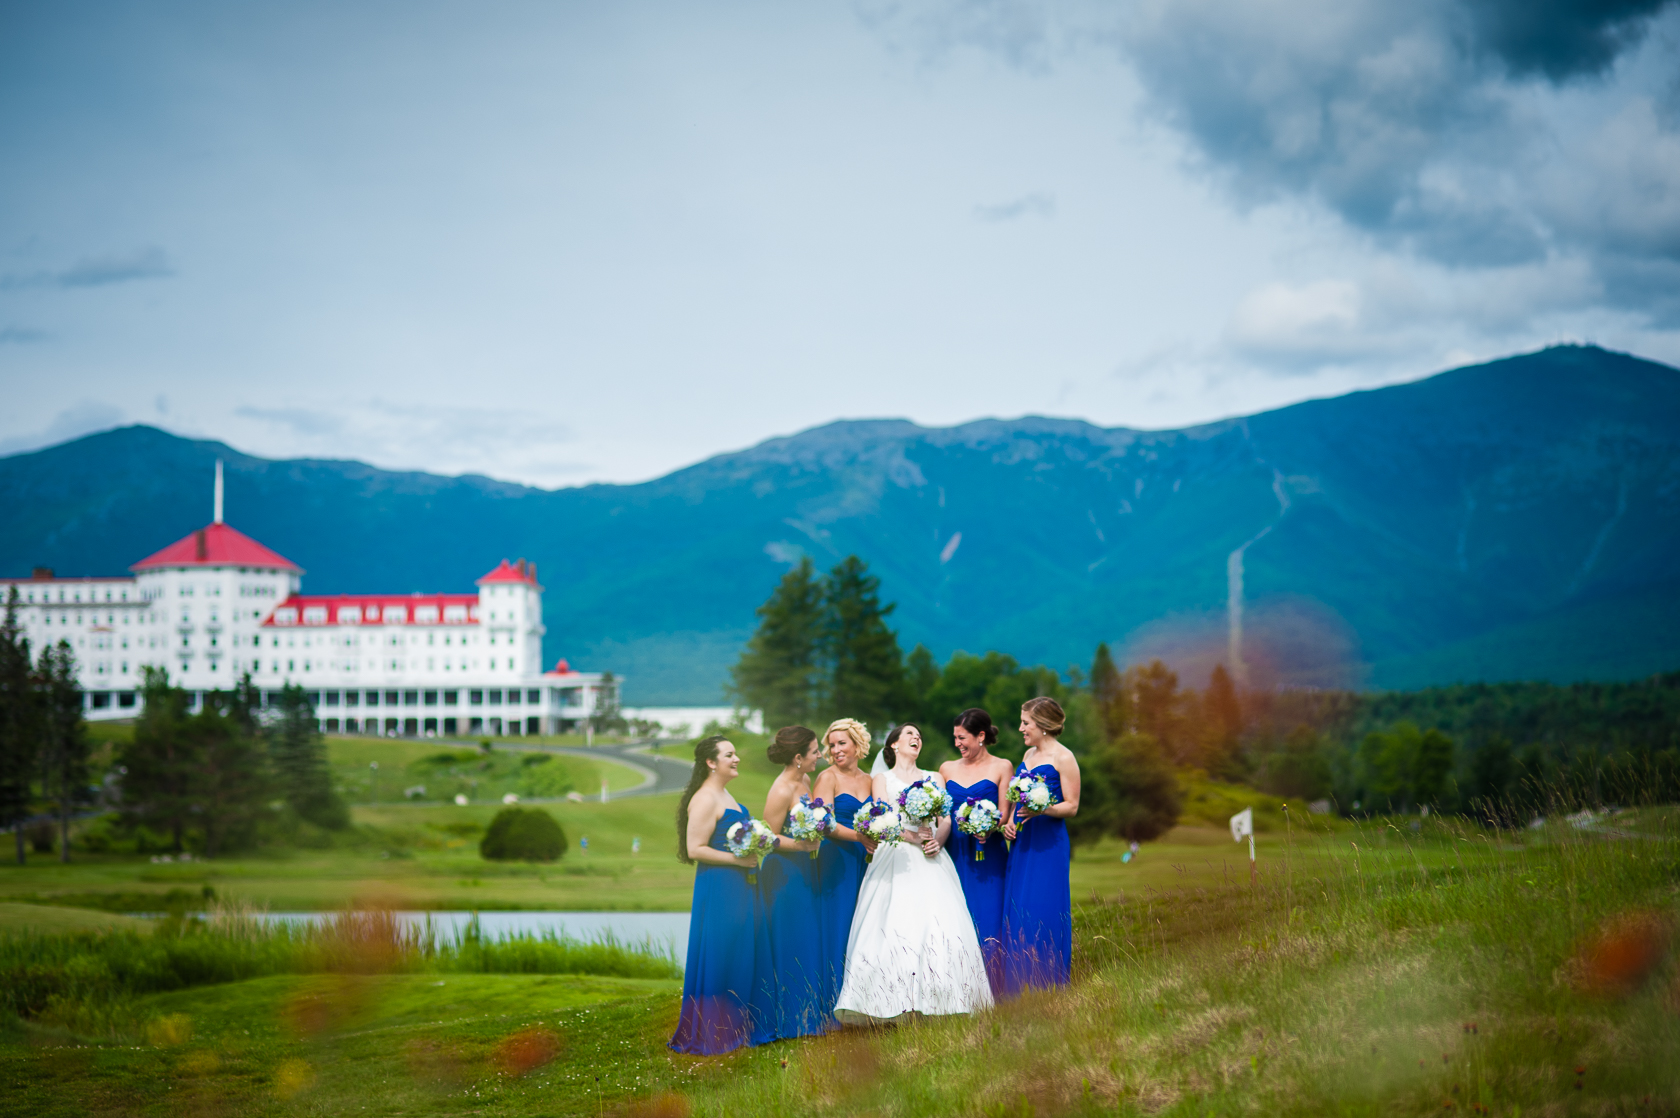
<point x="512" y="572"/>
<point x="217" y="546"/>
<point x="562" y="668"/>
<point x="375" y="609"/>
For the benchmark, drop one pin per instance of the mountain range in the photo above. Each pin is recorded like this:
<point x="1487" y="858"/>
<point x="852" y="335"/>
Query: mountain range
<point x="1513" y="520"/>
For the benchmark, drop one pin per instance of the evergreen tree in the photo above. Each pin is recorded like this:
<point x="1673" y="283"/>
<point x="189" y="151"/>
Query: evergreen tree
<point x="161" y="770"/>
<point x="299" y="754"/>
<point x="921" y="676"/>
<point x="1127" y="789"/>
<point x="232" y="779"/>
<point x="868" y="668"/>
<point x="64" y="739"/>
<point x="1108" y="688"/>
<point x="780" y="671"/>
<point x="19" y="734"/>
<point x="607" y="718"/>
<point x="1224" y="724"/>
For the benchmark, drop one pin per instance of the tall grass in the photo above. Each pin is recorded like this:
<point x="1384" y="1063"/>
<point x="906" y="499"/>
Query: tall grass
<point x="1374" y="970"/>
<point x="40" y="972"/>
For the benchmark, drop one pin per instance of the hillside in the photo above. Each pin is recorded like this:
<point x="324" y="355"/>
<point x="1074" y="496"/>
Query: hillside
<point x="1512" y="520"/>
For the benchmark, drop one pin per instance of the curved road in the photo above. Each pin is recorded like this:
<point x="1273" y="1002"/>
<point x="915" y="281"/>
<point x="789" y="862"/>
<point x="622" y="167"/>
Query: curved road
<point x="659" y="774"/>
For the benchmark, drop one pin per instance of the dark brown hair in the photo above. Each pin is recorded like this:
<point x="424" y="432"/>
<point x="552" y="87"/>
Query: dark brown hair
<point x="978" y="723"/>
<point x="892" y="739"/>
<point x="706" y="749"/>
<point x="790" y="742"/>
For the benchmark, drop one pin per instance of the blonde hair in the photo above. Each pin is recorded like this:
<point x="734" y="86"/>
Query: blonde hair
<point x="1046" y="714"/>
<point x="854" y="730"/>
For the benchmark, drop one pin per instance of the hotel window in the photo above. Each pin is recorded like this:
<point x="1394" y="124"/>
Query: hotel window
<point x="513" y="696"/>
<point x="411" y="698"/>
<point x="285" y="615"/>
<point x="450" y="698"/>
<point x="454" y="613"/>
<point x="495" y="698"/>
<point x="351" y="698"/>
<point x="315" y="615"/>
<point x="534" y="695"/>
<point x="425" y="615"/>
<point x="475" y="698"/>
<point x="392" y="698"/>
<point x="431" y="698"/>
<point x="349" y="615"/>
<point x="396" y="615"/>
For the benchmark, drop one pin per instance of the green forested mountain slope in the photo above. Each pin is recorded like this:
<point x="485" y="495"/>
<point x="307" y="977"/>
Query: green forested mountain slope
<point x="1513" y="520"/>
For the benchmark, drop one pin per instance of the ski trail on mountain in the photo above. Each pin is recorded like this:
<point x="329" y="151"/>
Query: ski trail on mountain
<point x="1601" y="538"/>
<point x="1234" y="582"/>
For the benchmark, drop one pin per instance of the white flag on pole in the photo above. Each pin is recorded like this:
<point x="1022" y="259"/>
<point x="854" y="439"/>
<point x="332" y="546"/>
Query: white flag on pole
<point x="1242" y="824"/>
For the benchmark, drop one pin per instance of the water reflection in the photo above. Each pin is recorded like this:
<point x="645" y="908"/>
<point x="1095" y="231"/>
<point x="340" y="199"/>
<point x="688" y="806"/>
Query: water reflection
<point x="664" y="930"/>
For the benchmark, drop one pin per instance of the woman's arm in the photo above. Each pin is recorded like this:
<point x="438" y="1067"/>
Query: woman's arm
<point x="776" y="807"/>
<point x="1068" y="766"/>
<point x="702" y="821"/>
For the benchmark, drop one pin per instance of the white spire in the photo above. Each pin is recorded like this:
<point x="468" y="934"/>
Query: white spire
<point x="218" y="491"/>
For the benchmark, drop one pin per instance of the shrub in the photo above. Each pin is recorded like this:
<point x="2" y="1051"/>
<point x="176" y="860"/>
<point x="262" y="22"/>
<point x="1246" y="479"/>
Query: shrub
<point x="523" y="834"/>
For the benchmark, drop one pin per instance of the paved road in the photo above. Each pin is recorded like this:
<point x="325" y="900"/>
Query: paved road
<point x="659" y="774"/>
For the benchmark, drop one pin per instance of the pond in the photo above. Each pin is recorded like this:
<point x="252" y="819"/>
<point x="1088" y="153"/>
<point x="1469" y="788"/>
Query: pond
<point x="662" y="929"/>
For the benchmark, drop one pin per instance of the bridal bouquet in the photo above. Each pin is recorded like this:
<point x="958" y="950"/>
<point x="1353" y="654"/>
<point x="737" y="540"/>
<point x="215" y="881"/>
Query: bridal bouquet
<point x="1030" y="793"/>
<point x="880" y="821"/>
<point x="809" y="821"/>
<point x="924" y="801"/>
<point x="978" y="818"/>
<point x="751" y="839"/>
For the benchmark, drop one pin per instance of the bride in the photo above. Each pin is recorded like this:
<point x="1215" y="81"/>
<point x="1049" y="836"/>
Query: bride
<point x="913" y="949"/>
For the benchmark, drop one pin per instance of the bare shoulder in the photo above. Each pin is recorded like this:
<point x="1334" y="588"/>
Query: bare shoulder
<point x="1002" y="768"/>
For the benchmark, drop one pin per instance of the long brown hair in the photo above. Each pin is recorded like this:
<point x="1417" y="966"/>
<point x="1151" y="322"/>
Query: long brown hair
<point x="706" y="749"/>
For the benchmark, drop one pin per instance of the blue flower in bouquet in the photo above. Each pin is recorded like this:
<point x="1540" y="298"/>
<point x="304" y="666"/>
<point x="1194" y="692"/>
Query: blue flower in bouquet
<point x="880" y="821"/>
<point x="924" y="801"/>
<point x="1030" y="794"/>
<point x="809" y="821"/>
<point x="751" y="839"/>
<point x="978" y="818"/>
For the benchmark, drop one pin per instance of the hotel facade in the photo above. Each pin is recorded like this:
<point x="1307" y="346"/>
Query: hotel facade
<point x="217" y="604"/>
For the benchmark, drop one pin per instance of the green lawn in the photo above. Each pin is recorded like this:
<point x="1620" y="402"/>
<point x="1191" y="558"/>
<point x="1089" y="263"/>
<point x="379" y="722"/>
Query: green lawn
<point x="444" y="771"/>
<point x="1376" y="970"/>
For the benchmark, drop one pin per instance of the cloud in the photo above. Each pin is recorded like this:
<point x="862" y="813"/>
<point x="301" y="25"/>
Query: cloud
<point x="1037" y="204"/>
<point x="72" y="423"/>
<point x="98" y="271"/>
<point x="21" y="335"/>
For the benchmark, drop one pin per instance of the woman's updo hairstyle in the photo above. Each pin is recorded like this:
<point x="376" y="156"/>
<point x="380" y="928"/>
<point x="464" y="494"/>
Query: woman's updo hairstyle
<point x="856" y="731"/>
<point x="1046" y="714"/>
<point x="706" y="749"/>
<point x="790" y="742"/>
<point x="978" y="723"/>
<point x="889" y="752"/>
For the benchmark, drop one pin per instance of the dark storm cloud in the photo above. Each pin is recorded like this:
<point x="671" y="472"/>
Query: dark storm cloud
<point x="1559" y="39"/>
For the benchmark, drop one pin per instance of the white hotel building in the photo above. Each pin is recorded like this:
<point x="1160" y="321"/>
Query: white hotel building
<point x="217" y="604"/>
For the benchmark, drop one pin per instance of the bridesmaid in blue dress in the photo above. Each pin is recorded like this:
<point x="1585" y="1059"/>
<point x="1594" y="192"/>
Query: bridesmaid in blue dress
<point x="728" y="996"/>
<point x="840" y="863"/>
<point x="1037" y="903"/>
<point x="787" y="884"/>
<point x="980" y="776"/>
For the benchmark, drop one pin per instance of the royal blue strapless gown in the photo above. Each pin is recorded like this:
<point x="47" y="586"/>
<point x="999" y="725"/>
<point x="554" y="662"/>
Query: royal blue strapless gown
<point x="788" y="886"/>
<point x="728" y="996"/>
<point x="1037" y="901"/>
<point x="839" y="875"/>
<point x="982" y="881"/>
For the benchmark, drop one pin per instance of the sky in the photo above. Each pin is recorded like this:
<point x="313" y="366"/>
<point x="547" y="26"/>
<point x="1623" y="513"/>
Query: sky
<point x="560" y="242"/>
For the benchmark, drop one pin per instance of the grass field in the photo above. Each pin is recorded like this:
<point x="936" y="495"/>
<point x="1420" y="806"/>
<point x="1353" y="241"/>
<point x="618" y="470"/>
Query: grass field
<point x="1375" y="970"/>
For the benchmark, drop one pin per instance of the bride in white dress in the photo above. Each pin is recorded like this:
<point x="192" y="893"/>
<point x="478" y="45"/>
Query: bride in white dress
<point x="913" y="948"/>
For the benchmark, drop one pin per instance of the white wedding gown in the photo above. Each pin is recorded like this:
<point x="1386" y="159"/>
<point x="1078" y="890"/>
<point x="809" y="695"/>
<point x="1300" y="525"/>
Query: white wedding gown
<point x="913" y="948"/>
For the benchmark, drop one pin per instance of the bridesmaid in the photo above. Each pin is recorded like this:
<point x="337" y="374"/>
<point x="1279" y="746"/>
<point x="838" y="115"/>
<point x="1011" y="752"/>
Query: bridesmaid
<point x="980" y="776"/>
<point x="844" y="786"/>
<point x="728" y="987"/>
<point x="787" y="884"/>
<point x="1037" y="902"/>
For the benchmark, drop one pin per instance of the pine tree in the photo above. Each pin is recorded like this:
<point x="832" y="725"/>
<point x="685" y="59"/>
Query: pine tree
<point x="161" y="769"/>
<point x="299" y="755"/>
<point x="780" y="670"/>
<point x="868" y="668"/>
<point x="19" y="733"/>
<point x="1108" y="688"/>
<point x="232" y="779"/>
<point x="1223" y="713"/>
<point x="921" y="676"/>
<point x="64" y="740"/>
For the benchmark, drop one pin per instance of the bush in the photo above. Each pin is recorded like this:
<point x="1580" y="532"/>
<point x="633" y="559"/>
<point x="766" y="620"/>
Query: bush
<point x="1128" y="790"/>
<point x="523" y="834"/>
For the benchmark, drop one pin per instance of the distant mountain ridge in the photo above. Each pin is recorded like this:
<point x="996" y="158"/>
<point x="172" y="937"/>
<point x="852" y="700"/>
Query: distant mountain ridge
<point x="1518" y="519"/>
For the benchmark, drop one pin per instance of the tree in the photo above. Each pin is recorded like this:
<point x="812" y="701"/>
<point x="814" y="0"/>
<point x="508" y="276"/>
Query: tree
<point x="160" y="770"/>
<point x="64" y="740"/>
<point x="780" y="671"/>
<point x="607" y="718"/>
<point x="1158" y="708"/>
<point x="523" y="834"/>
<point x="1223" y="724"/>
<point x="232" y="778"/>
<point x="299" y="755"/>
<point x="18" y="724"/>
<point x="1127" y="789"/>
<point x="868" y="668"/>
<point x="921" y="676"/>
<point x="1298" y="769"/>
<point x="1108" y="688"/>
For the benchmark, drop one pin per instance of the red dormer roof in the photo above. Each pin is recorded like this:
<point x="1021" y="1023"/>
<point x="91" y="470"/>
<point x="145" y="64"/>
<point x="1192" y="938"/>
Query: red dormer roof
<point x="512" y="572"/>
<point x="562" y="668"/>
<point x="308" y="611"/>
<point x="217" y="546"/>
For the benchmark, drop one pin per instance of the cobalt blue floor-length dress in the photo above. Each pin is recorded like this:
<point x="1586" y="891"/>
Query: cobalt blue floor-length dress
<point x="839" y="876"/>
<point x="982" y="881"/>
<point x="788" y="888"/>
<point x="1037" y="901"/>
<point x="728" y="996"/>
